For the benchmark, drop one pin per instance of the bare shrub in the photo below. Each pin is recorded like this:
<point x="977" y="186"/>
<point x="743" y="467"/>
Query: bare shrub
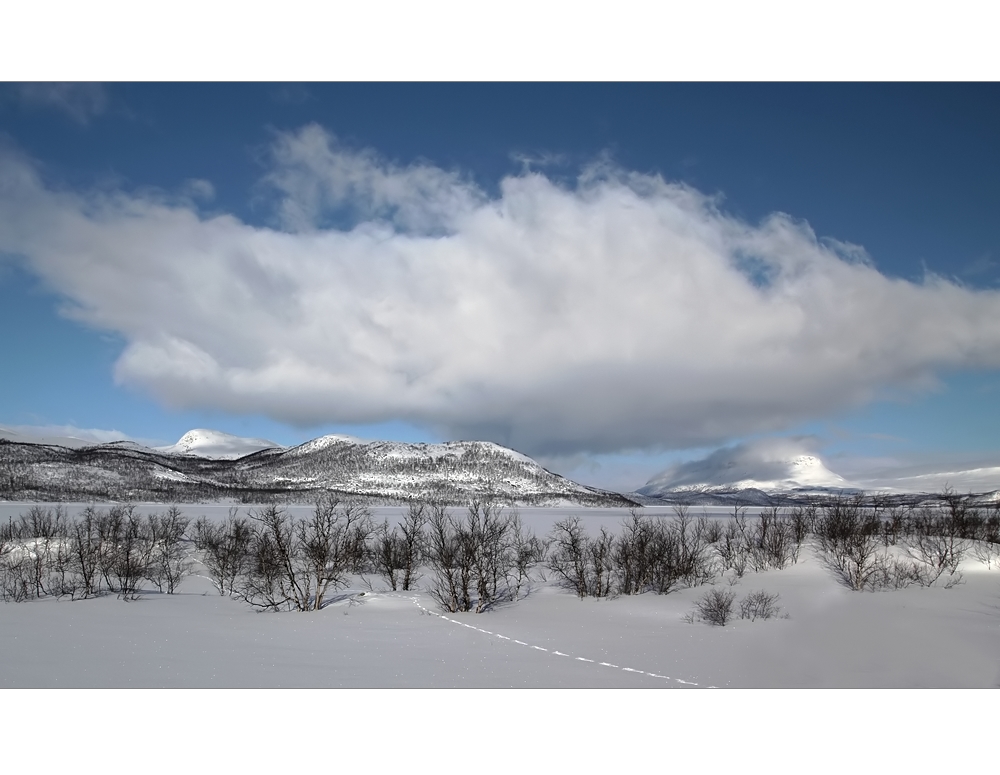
<point x="85" y="553"/>
<point x="802" y="519"/>
<point x="770" y="541"/>
<point x="40" y="555"/>
<point x="694" y="561"/>
<point x="986" y="547"/>
<point x="16" y="578"/>
<point x="328" y="545"/>
<point x="479" y="560"/>
<point x="528" y="551"/>
<point x="987" y="552"/>
<point x="583" y="564"/>
<point x="126" y="550"/>
<point x="855" y="541"/>
<point x="452" y="570"/>
<point x="895" y="526"/>
<point x="984" y="533"/>
<point x="169" y="562"/>
<point x="759" y="605"/>
<point x="600" y="563"/>
<point x="632" y="556"/>
<point x="490" y="543"/>
<point x="292" y="564"/>
<point x="225" y="549"/>
<point x="710" y="529"/>
<point x="399" y="552"/>
<point x="570" y="554"/>
<point x="938" y="542"/>
<point x="388" y="554"/>
<point x="353" y="528"/>
<point x="649" y="554"/>
<point x="266" y="580"/>
<point x="732" y="548"/>
<point x="666" y="559"/>
<point x="849" y="538"/>
<point x="413" y="543"/>
<point x="891" y="572"/>
<point x="716" y="606"/>
<point x="954" y="580"/>
<point x="45" y="553"/>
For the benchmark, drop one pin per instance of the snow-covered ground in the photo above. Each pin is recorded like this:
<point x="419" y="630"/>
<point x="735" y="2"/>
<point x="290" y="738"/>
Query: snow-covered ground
<point x="606" y="650"/>
<point x="834" y="638"/>
<point x="371" y="637"/>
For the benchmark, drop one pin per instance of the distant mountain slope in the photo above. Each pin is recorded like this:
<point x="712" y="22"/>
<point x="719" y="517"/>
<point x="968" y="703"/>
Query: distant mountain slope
<point x="780" y="472"/>
<point x="62" y="436"/>
<point x="976" y="479"/>
<point x="202" y="466"/>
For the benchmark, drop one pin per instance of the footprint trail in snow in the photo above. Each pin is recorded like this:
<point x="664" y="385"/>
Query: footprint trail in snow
<point x="416" y="601"/>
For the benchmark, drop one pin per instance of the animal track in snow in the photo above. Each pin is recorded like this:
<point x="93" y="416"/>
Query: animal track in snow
<point x="416" y="601"/>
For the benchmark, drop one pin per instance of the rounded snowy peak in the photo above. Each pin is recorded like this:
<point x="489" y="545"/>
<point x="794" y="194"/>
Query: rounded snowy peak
<point x="323" y="442"/>
<point x="808" y="470"/>
<point x="216" y="444"/>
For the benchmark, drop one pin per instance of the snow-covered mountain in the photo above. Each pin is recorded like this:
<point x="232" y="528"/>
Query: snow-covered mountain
<point x="781" y="471"/>
<point x="758" y="472"/>
<point x="765" y="467"/>
<point x="453" y="471"/>
<point x="217" y="445"/>
<point x="209" y="465"/>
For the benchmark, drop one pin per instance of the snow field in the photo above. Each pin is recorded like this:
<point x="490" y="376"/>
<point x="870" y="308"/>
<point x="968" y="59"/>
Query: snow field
<point x="369" y="637"/>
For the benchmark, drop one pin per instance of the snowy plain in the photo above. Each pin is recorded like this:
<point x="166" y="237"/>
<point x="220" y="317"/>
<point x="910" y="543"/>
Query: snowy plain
<point x="369" y="637"/>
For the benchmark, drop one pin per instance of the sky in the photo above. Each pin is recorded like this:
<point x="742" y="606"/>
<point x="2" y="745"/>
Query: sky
<point x="610" y="277"/>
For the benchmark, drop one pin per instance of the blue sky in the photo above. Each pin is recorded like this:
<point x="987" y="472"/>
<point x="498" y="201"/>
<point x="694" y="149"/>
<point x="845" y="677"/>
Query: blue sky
<point x="363" y="186"/>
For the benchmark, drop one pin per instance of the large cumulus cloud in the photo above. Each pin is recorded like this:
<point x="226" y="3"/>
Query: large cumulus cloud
<point x="623" y="312"/>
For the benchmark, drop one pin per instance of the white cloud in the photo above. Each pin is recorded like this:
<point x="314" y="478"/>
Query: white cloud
<point x="199" y="190"/>
<point x="616" y="472"/>
<point x="622" y="313"/>
<point x="64" y="435"/>
<point x="317" y="178"/>
<point x="80" y="101"/>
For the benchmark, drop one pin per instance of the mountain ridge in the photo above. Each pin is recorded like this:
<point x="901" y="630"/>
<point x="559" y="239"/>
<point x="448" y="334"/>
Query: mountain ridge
<point x="212" y="465"/>
<point x="379" y="471"/>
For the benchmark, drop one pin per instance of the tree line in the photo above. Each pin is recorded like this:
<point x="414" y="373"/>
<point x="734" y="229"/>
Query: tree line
<point x="477" y="558"/>
<point x="45" y="553"/>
